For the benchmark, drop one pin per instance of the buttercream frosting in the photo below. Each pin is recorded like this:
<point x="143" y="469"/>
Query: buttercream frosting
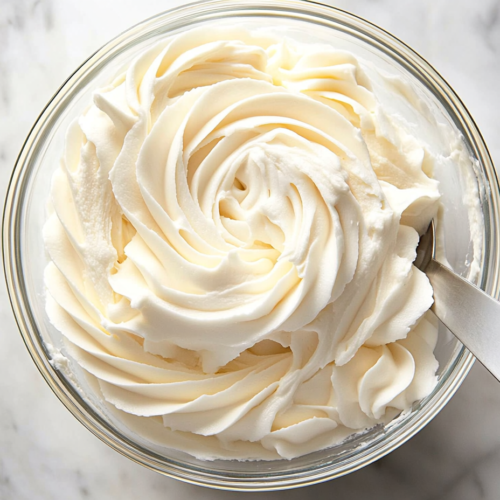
<point x="231" y="237"/>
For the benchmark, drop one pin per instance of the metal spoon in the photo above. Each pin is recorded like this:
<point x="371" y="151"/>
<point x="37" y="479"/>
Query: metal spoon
<point x="468" y="312"/>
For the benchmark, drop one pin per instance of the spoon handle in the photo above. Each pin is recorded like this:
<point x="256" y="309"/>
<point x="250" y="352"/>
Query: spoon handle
<point x="471" y="314"/>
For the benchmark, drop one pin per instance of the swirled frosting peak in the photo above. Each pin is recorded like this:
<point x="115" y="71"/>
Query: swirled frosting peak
<point x="231" y="240"/>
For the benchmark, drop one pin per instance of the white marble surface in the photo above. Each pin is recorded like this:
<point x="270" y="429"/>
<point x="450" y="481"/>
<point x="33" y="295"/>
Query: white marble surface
<point x="46" y="454"/>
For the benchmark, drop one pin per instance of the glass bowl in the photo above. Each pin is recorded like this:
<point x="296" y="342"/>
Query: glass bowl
<point x="25" y="258"/>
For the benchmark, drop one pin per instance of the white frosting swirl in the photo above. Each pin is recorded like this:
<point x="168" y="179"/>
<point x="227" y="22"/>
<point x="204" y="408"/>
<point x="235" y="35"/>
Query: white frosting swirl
<point x="233" y="228"/>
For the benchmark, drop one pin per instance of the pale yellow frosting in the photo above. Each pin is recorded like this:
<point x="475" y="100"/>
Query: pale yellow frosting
<point x="231" y="239"/>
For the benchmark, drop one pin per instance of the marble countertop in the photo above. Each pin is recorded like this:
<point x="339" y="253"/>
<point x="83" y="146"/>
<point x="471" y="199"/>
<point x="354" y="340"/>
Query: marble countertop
<point x="46" y="454"/>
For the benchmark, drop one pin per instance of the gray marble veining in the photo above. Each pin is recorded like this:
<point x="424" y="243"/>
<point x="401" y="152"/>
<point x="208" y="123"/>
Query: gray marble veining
<point x="46" y="454"/>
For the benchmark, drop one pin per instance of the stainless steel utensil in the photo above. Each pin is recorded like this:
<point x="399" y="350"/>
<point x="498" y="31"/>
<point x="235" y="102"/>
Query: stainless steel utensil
<point x="469" y="313"/>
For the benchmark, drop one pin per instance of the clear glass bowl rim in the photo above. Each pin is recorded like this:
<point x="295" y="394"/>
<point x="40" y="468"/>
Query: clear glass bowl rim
<point x="205" y="10"/>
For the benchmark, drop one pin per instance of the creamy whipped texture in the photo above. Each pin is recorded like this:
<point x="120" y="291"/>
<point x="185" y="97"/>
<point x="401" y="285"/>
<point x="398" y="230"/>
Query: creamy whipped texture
<point x="231" y="238"/>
